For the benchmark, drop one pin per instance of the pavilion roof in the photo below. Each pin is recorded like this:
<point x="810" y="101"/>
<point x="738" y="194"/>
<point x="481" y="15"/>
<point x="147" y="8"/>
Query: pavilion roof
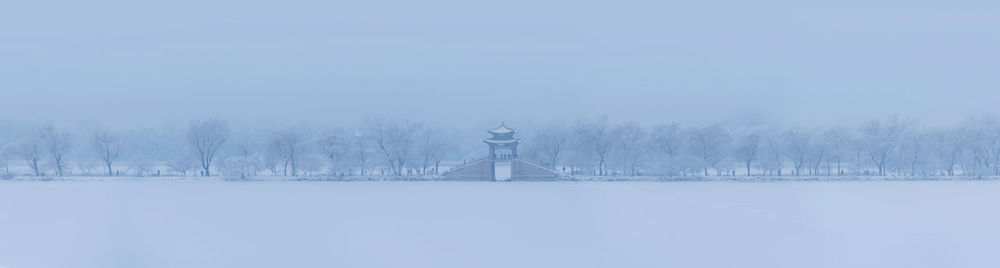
<point x="502" y="129"/>
<point x="511" y="141"/>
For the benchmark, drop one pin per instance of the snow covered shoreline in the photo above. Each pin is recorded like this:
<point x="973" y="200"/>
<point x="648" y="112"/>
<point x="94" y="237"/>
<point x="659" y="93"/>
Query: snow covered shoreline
<point x="751" y="179"/>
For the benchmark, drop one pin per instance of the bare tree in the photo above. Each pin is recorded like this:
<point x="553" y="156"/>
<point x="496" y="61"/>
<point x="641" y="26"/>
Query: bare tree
<point x="85" y="166"/>
<point x="983" y="134"/>
<point x="597" y="136"/>
<point x="948" y="146"/>
<point x="5" y="159"/>
<point x="32" y="150"/>
<point x="57" y="143"/>
<point x="362" y="152"/>
<point x="818" y="152"/>
<point x="5" y="154"/>
<point x="709" y="144"/>
<point x="882" y="139"/>
<point x="338" y="147"/>
<point x="444" y="146"/>
<point x="109" y="147"/>
<point x="913" y="155"/>
<point x="205" y="139"/>
<point x="668" y="143"/>
<point x="140" y="165"/>
<point x="837" y="141"/>
<point x="748" y="149"/>
<point x="772" y="154"/>
<point x="244" y="164"/>
<point x="631" y="143"/>
<point x="797" y="143"/>
<point x="288" y="146"/>
<point x="431" y="147"/>
<point x="394" y="140"/>
<point x="550" y="142"/>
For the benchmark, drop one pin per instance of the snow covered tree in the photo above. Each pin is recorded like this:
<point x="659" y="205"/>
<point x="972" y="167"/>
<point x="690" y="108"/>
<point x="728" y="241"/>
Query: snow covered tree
<point x="984" y="144"/>
<point x="288" y="146"/>
<point x="6" y="153"/>
<point x="243" y="165"/>
<point x="206" y="138"/>
<point x="838" y="142"/>
<point x="32" y="150"/>
<point x="772" y="156"/>
<point x="797" y="144"/>
<point x="597" y="136"/>
<point x="394" y="140"/>
<point x="709" y="144"/>
<point x="432" y="146"/>
<point x="882" y="140"/>
<point x="667" y="146"/>
<point x="748" y="149"/>
<point x="338" y="147"/>
<point x="630" y="141"/>
<point x="948" y="146"/>
<point x="57" y="144"/>
<point x="109" y="147"/>
<point x="549" y="143"/>
<point x="817" y="154"/>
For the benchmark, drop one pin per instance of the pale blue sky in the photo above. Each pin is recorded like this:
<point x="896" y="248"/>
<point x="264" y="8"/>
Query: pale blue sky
<point x="456" y="61"/>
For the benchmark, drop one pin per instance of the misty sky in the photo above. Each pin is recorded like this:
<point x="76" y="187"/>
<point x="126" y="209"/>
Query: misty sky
<point x="457" y="61"/>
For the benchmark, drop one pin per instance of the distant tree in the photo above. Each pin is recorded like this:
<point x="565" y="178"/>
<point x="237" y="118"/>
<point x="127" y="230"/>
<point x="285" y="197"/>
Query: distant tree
<point x="309" y="166"/>
<point x="244" y="164"/>
<point x="109" y="147"/>
<point x="32" y="150"/>
<point x="667" y="145"/>
<point x="205" y="139"/>
<point x="631" y="143"/>
<point x="5" y="154"/>
<point x="550" y="142"/>
<point x="748" y="149"/>
<point x="797" y="145"/>
<point x="817" y="154"/>
<point x="983" y="135"/>
<point x="772" y="154"/>
<point x="395" y="141"/>
<point x="948" y="146"/>
<point x="362" y="152"/>
<point x="338" y="147"/>
<point x="57" y="143"/>
<point x="287" y="146"/>
<point x="709" y="144"/>
<point x="914" y="154"/>
<point x="688" y="164"/>
<point x="598" y="137"/>
<point x="446" y="148"/>
<point x="140" y="165"/>
<point x="882" y="139"/>
<point x="85" y="166"/>
<point x="578" y="156"/>
<point x="838" y="142"/>
<point x="432" y="145"/>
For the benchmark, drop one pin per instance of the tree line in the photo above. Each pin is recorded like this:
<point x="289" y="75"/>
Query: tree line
<point x="890" y="146"/>
<point x="212" y="147"/>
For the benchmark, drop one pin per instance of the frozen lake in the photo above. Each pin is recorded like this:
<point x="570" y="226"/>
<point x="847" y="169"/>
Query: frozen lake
<point x="449" y="224"/>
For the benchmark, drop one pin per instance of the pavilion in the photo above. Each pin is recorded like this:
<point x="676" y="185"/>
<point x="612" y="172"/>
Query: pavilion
<point x="502" y="163"/>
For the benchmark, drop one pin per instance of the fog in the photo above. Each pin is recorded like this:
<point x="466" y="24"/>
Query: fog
<point x="457" y="63"/>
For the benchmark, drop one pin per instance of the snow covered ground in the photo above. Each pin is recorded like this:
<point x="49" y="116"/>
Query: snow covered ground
<point x="451" y="224"/>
